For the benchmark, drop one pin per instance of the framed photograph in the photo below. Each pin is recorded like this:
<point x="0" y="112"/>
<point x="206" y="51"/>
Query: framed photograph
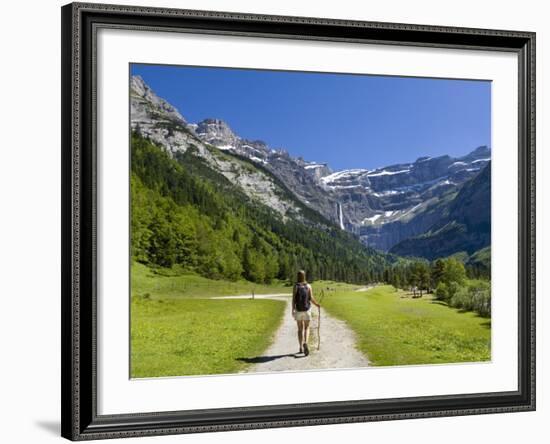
<point x="275" y="221"/>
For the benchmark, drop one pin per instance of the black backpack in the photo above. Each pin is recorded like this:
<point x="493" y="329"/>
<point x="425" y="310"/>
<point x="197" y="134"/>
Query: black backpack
<point x="302" y="297"/>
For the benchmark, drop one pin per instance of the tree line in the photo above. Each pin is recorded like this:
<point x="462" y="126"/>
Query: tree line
<point x="447" y="278"/>
<point x="185" y="213"/>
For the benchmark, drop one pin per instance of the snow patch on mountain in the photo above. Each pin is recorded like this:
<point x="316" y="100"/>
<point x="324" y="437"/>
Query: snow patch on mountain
<point x="387" y="173"/>
<point x="345" y="174"/>
<point x="372" y="219"/>
<point x="312" y="166"/>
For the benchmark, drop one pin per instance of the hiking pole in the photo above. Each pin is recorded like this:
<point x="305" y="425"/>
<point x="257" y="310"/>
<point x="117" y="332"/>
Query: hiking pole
<point x="319" y="331"/>
<point x="319" y="322"/>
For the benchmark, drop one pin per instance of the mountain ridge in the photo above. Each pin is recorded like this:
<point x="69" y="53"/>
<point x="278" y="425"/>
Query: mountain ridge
<point x="382" y="207"/>
<point x="465" y="227"/>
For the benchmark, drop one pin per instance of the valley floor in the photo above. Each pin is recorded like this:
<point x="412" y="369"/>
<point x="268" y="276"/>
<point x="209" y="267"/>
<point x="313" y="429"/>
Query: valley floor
<point x="182" y="326"/>
<point x="395" y="329"/>
<point x="337" y="348"/>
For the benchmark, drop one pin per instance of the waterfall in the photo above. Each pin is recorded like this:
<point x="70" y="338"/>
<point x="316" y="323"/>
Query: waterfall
<point x="340" y="216"/>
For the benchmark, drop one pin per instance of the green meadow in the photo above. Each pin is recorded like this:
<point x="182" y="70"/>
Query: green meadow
<point x="178" y="329"/>
<point x="161" y="283"/>
<point x="173" y="337"/>
<point x="395" y="329"/>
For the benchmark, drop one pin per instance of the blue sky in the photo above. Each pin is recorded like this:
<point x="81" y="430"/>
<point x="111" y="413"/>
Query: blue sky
<point x="348" y="121"/>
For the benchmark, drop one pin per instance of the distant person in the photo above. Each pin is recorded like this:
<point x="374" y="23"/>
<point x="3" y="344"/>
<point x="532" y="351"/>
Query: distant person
<point x="302" y="298"/>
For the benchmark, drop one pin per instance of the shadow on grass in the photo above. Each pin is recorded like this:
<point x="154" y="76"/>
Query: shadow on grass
<point x="261" y="359"/>
<point x="477" y="315"/>
<point x="487" y="323"/>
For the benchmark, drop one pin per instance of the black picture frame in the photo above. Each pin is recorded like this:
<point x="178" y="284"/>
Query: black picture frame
<point x="80" y="420"/>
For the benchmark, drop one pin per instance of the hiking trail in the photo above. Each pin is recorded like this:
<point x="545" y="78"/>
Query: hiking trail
<point x="338" y="349"/>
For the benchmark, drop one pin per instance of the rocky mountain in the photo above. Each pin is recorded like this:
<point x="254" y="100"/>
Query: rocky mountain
<point x="389" y="204"/>
<point x="384" y="206"/>
<point x="221" y="212"/>
<point x="158" y="121"/>
<point x="155" y="119"/>
<point x="465" y="223"/>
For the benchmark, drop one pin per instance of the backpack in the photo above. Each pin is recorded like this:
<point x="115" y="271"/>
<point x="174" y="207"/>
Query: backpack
<point x="302" y="297"/>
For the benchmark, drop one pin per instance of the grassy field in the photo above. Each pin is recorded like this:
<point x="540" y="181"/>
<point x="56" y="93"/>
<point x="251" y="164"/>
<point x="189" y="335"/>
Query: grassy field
<point x="178" y="330"/>
<point x="166" y="283"/>
<point x="176" y="337"/>
<point x="394" y="329"/>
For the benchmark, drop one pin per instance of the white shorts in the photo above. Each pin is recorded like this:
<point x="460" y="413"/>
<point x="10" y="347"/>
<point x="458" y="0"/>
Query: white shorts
<point x="302" y="315"/>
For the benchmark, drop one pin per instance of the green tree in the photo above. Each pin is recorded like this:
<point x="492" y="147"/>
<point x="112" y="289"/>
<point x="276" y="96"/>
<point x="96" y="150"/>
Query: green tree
<point x="442" y="291"/>
<point x="186" y="213"/>
<point x="424" y="277"/>
<point x="397" y="281"/>
<point x="438" y="268"/>
<point x="254" y="265"/>
<point x="453" y="271"/>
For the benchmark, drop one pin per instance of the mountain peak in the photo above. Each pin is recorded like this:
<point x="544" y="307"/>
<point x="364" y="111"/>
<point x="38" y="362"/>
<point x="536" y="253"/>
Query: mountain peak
<point x="146" y="98"/>
<point x="217" y="132"/>
<point x="481" y="152"/>
<point x="138" y="85"/>
<point x="382" y="206"/>
<point x="483" y="149"/>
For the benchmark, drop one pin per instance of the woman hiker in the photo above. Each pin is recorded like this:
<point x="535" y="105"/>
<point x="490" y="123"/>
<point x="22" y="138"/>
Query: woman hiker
<point x="302" y="297"/>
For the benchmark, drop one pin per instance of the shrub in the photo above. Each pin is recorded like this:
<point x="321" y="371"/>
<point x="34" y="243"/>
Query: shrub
<point x="476" y="296"/>
<point x="480" y="293"/>
<point x="441" y="291"/>
<point x="446" y="292"/>
<point x="453" y="287"/>
<point x="461" y="299"/>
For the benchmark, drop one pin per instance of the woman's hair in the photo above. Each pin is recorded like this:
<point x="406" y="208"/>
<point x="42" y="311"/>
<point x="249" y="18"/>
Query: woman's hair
<point x="301" y="276"/>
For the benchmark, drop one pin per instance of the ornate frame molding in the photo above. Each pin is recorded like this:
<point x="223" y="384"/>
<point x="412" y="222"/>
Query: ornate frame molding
<point x="80" y="22"/>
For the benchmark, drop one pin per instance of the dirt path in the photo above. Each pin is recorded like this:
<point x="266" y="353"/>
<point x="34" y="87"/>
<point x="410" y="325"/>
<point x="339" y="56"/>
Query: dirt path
<point x="366" y="288"/>
<point x="337" y="344"/>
